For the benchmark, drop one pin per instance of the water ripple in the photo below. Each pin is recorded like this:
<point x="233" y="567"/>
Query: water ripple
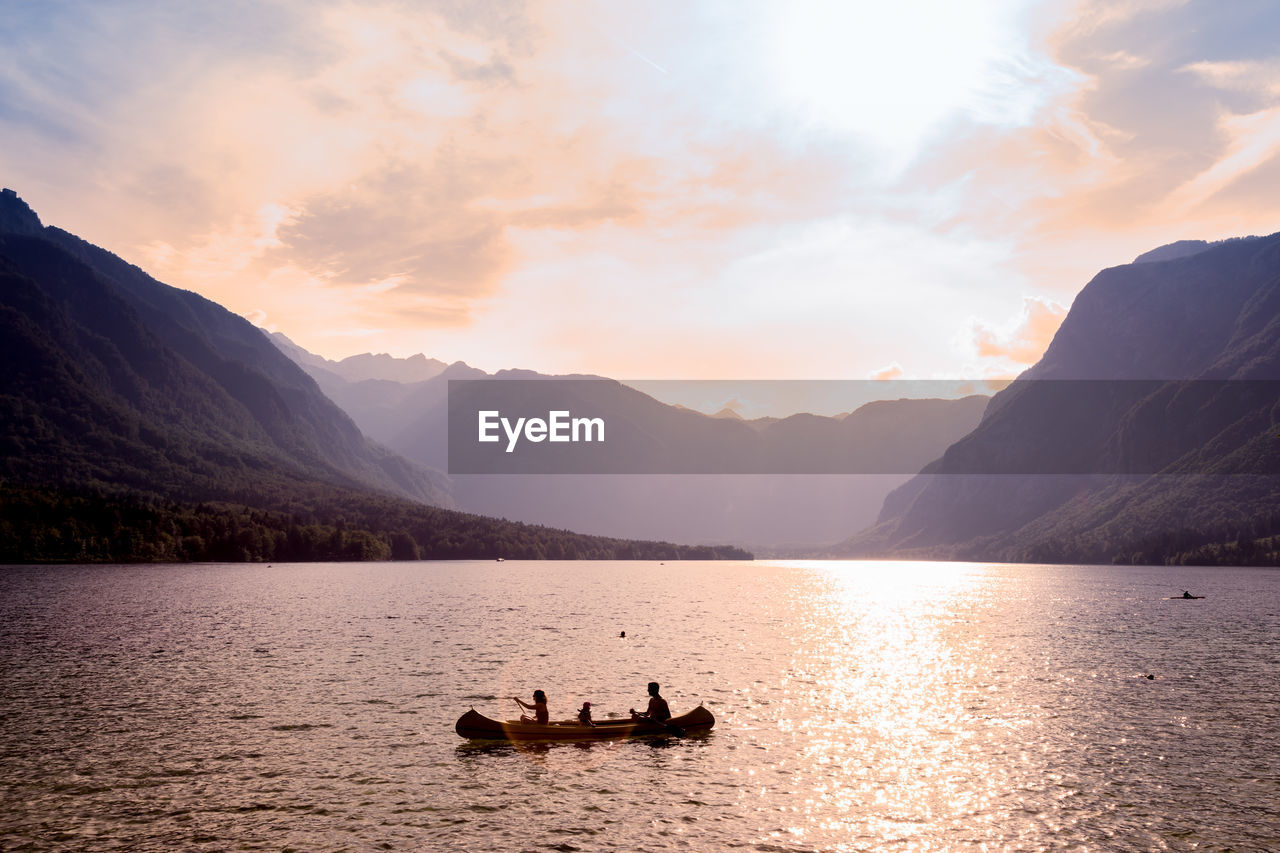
<point x="860" y="706"/>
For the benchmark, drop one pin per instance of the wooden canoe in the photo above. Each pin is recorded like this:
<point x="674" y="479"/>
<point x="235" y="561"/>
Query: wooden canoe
<point x="477" y="726"/>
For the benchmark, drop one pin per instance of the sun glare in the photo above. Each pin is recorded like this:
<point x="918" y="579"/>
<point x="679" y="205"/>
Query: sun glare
<point x="886" y="72"/>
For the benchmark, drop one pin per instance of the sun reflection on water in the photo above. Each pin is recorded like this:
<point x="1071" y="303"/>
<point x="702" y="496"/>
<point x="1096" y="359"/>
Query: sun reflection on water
<point x="885" y="697"/>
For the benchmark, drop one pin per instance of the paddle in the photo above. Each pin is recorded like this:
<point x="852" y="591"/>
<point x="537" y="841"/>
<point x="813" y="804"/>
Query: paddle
<point x="671" y="728"/>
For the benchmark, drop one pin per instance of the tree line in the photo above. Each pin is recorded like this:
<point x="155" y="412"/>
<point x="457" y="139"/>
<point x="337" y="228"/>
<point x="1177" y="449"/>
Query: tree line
<point x="40" y="525"/>
<point x="1255" y="542"/>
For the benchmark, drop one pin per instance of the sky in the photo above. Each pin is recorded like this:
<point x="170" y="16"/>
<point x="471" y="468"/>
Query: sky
<point x="665" y="190"/>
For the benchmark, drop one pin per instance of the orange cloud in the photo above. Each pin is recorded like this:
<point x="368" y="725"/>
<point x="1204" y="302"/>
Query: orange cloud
<point x="1027" y="340"/>
<point x="892" y="371"/>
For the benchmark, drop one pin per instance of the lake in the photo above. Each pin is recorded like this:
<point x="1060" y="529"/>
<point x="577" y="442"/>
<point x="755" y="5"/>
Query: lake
<point x="859" y="706"/>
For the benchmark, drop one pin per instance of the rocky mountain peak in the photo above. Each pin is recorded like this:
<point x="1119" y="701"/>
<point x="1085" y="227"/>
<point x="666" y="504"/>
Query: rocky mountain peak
<point x="16" y="216"/>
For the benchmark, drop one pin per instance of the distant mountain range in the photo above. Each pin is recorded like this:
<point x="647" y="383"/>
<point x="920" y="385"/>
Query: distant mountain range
<point x="139" y="421"/>
<point x="143" y="422"/>
<point x="1204" y="321"/>
<point x="358" y="368"/>
<point x="758" y="510"/>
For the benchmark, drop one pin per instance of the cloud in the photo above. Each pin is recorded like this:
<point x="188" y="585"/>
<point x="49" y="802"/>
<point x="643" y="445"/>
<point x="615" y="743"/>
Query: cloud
<point x="496" y="70"/>
<point x="428" y="239"/>
<point x="1028" y="337"/>
<point x="1122" y="60"/>
<point x="891" y="371"/>
<point x="638" y="189"/>
<point x="1254" y="142"/>
<point x="1090" y="16"/>
<point x="1160" y="130"/>
<point x="1261" y="77"/>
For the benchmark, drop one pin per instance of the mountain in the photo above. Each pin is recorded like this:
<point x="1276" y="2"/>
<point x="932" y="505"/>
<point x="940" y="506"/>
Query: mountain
<point x="139" y="421"/>
<point x="758" y="507"/>
<point x="783" y="513"/>
<point x="117" y="378"/>
<point x="358" y="368"/>
<point x="1147" y="432"/>
<point x="1182" y="249"/>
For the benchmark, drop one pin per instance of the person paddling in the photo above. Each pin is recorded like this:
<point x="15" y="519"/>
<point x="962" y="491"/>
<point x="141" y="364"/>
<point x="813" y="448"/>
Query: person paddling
<point x="658" y="711"/>
<point x="539" y="708"/>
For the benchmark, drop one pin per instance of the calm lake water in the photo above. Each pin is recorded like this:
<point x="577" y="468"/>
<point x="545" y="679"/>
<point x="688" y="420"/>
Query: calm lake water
<point x="860" y="706"/>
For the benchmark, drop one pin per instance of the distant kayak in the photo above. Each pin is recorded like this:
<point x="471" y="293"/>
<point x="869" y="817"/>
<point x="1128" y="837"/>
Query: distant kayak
<point x="1184" y="597"/>
<point x="476" y="726"/>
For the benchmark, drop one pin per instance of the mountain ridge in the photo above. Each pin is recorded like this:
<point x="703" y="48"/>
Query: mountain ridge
<point x="752" y="510"/>
<point x="284" y="403"/>
<point x="143" y="422"/>
<point x="365" y="365"/>
<point x="1200" y="324"/>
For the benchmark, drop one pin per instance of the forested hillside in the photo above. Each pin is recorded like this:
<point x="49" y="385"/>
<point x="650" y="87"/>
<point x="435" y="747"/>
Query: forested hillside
<point x="141" y="422"/>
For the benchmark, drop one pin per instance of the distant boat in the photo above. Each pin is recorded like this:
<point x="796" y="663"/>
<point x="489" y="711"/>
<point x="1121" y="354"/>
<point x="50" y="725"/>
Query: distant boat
<point x="1184" y="597"/>
<point x="502" y="559"/>
<point x="476" y="726"/>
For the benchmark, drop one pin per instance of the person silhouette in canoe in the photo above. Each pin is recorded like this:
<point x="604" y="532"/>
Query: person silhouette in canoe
<point x="584" y="715"/>
<point x="539" y="708"/>
<point x="658" y="711"/>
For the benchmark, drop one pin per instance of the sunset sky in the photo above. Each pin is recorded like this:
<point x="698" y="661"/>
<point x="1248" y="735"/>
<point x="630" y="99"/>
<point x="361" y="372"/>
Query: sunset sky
<point x="660" y="189"/>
